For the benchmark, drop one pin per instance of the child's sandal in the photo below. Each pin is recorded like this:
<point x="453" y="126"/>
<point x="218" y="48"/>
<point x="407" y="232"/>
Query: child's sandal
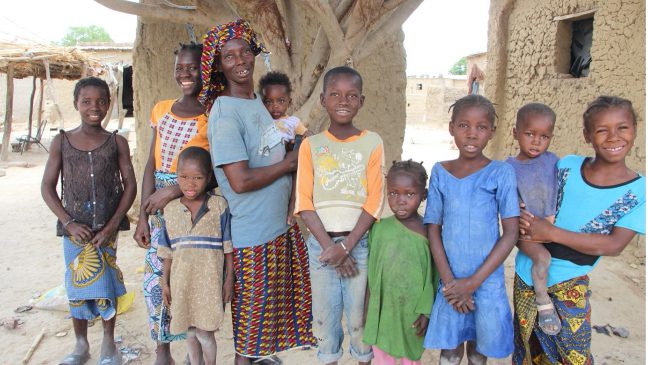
<point x="548" y="319"/>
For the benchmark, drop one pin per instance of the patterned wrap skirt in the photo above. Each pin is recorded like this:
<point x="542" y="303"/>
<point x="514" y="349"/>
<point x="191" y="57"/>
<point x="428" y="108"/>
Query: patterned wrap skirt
<point x="93" y="281"/>
<point x="572" y="345"/>
<point x="271" y="308"/>
<point x="159" y="314"/>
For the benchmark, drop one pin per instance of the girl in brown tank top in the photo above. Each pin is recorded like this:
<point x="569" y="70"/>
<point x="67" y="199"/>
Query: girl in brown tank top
<point x="98" y="187"/>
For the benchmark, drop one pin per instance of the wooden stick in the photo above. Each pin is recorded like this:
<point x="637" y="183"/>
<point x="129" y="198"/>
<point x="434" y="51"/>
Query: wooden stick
<point x="33" y="346"/>
<point x="39" y="113"/>
<point x="4" y="153"/>
<point x="31" y="112"/>
<point x="120" y="95"/>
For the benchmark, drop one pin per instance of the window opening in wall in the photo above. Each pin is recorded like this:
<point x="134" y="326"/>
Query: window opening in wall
<point x="419" y="86"/>
<point x="581" y="46"/>
<point x="574" y="44"/>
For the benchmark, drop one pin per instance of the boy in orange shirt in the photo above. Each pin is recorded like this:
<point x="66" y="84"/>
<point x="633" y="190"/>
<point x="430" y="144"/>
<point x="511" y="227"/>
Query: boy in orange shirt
<point x="339" y="197"/>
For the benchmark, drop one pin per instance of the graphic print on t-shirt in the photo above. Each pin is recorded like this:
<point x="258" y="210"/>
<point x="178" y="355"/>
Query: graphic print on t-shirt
<point x="342" y="171"/>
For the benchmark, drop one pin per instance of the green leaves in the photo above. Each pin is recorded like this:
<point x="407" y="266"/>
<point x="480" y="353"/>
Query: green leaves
<point x="92" y="33"/>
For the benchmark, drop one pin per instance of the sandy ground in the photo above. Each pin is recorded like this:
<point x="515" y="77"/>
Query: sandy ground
<point x="32" y="263"/>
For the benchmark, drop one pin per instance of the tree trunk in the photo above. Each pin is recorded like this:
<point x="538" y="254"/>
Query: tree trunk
<point x="366" y="35"/>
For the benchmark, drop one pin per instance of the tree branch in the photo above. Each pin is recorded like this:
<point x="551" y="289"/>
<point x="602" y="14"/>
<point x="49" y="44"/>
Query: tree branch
<point x="158" y="12"/>
<point x="212" y="8"/>
<point x="329" y="22"/>
<point x="317" y="60"/>
<point x="388" y="26"/>
<point x="176" y="6"/>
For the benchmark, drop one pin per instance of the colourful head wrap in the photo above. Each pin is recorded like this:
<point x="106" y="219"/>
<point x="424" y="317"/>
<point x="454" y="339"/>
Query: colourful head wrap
<point x="214" y="81"/>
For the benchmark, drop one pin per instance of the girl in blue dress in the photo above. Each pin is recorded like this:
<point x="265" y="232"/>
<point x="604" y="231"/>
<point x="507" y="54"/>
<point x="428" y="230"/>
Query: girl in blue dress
<point x="466" y="199"/>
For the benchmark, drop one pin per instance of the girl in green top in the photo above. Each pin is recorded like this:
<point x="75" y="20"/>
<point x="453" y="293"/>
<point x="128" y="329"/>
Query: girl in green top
<point x="401" y="275"/>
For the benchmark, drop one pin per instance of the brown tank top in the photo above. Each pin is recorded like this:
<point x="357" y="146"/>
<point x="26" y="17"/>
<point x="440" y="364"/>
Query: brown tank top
<point x="91" y="185"/>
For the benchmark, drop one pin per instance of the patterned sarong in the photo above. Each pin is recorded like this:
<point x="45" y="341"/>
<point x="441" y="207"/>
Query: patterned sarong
<point x="572" y="345"/>
<point x="93" y="280"/>
<point x="159" y="318"/>
<point x="271" y="309"/>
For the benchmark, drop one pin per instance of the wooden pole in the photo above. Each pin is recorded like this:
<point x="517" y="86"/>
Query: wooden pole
<point x="113" y="86"/>
<point x="50" y="92"/>
<point x="120" y="95"/>
<point x="4" y="154"/>
<point x="31" y="111"/>
<point x="39" y="113"/>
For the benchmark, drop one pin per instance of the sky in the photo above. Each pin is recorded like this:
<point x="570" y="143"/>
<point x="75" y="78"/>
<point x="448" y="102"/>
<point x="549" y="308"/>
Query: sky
<point x="437" y="34"/>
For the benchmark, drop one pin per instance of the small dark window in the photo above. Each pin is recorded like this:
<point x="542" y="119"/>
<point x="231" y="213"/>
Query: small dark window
<point x="574" y="44"/>
<point x="581" y="46"/>
<point x="419" y="86"/>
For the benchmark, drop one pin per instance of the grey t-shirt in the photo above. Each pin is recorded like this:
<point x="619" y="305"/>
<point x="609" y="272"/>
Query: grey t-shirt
<point x="243" y="130"/>
<point x="537" y="181"/>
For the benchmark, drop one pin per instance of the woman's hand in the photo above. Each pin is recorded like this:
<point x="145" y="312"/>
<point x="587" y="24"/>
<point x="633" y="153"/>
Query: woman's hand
<point x="159" y="199"/>
<point x="80" y="231"/>
<point x="166" y="294"/>
<point x="421" y="325"/>
<point x="142" y="233"/>
<point x="533" y="228"/>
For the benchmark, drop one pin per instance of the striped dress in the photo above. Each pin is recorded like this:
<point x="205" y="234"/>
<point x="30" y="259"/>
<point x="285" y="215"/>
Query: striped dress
<point x="173" y="134"/>
<point x="197" y="249"/>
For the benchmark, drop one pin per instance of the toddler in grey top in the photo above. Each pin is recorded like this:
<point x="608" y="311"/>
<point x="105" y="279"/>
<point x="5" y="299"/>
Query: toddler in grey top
<point x="536" y="174"/>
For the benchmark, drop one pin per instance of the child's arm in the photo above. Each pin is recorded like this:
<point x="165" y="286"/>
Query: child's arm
<point x="154" y="200"/>
<point x="541" y="230"/>
<point x="228" y="281"/>
<point x="51" y="197"/>
<point x="228" y="249"/>
<point x="166" y="283"/>
<point x="445" y="272"/>
<point x="142" y="233"/>
<point x="127" y="172"/>
<point x="290" y="220"/>
<point x="316" y="228"/>
<point x="464" y="288"/>
<point x="336" y="253"/>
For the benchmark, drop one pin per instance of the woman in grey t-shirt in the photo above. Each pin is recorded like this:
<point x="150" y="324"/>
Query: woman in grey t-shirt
<point x="271" y="308"/>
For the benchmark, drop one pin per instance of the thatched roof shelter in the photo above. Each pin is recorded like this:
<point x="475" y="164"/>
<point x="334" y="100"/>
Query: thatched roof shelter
<point x="43" y="62"/>
<point x="64" y="62"/>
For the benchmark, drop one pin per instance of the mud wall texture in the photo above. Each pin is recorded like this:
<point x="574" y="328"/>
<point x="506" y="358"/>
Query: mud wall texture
<point x="526" y="63"/>
<point x="383" y="73"/>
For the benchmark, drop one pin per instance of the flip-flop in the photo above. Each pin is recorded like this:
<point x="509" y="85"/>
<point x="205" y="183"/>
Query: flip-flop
<point x="74" y="359"/>
<point x="115" y="359"/>
<point x="270" y="360"/>
<point x="548" y="319"/>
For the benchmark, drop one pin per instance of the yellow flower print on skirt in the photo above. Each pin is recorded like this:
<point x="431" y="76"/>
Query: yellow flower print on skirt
<point x="93" y="280"/>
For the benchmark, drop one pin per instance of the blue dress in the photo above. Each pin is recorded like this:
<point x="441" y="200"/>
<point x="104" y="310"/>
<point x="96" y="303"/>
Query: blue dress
<point x="468" y="209"/>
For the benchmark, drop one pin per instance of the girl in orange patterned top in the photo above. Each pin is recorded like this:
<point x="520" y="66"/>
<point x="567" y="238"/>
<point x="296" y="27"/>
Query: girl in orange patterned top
<point x="177" y="124"/>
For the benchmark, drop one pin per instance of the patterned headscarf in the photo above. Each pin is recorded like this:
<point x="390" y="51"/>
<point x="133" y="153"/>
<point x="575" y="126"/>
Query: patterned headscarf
<point x="214" y="81"/>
